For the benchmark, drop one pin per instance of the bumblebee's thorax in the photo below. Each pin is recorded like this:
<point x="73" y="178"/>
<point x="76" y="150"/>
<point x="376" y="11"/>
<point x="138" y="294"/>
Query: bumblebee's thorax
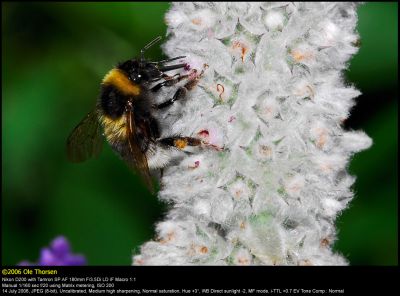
<point x="116" y="90"/>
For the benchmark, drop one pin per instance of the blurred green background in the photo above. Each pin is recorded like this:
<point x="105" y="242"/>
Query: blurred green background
<point x="53" y="57"/>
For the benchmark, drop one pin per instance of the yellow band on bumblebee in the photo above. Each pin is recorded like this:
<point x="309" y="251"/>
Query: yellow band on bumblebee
<point x="119" y="80"/>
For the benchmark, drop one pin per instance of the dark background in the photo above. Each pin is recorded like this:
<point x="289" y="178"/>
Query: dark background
<point x="54" y="56"/>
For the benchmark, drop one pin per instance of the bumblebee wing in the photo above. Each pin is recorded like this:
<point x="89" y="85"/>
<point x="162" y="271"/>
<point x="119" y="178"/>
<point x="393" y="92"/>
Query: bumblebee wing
<point x="138" y="160"/>
<point x="85" y="140"/>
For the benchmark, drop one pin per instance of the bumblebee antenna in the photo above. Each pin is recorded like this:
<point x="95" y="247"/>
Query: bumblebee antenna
<point x="148" y="45"/>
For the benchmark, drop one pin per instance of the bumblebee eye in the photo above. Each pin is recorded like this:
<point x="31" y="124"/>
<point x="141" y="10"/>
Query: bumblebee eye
<point x="134" y="77"/>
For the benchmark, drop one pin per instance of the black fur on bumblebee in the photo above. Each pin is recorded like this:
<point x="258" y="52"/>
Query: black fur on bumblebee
<point x="124" y="111"/>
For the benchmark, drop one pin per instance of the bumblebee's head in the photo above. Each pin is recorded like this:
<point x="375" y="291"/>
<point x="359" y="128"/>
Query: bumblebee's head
<point x="141" y="70"/>
<point x="132" y="70"/>
<point x="138" y="71"/>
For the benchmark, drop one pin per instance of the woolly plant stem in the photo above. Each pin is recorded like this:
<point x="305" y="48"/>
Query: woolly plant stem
<point x="271" y="105"/>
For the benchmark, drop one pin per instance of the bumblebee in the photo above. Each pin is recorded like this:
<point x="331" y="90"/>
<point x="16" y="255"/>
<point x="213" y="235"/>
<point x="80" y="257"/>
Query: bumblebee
<point x="124" y="114"/>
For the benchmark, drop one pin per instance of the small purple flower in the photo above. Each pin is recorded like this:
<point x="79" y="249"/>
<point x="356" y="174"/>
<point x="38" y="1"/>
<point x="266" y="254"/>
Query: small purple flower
<point x="58" y="254"/>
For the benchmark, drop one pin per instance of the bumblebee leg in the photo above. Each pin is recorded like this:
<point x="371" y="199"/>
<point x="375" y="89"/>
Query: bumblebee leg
<point x="179" y="142"/>
<point x="179" y="94"/>
<point x="169" y="81"/>
<point x="172" y="67"/>
<point x="168" y="60"/>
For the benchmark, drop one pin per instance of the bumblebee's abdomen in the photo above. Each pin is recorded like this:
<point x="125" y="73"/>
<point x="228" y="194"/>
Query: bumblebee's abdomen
<point x="115" y="130"/>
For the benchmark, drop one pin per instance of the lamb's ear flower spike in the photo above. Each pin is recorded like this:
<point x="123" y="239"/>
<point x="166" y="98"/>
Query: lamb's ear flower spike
<point x="274" y="98"/>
